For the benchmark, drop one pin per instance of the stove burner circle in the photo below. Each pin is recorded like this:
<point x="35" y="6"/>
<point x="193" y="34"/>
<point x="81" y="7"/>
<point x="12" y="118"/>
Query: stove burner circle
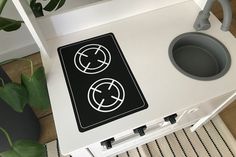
<point x="92" y="59"/>
<point x="106" y="95"/>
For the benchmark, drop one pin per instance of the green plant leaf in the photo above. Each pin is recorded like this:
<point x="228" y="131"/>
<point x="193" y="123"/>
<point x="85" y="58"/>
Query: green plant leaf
<point x="25" y="148"/>
<point x="8" y="25"/>
<point x="37" y="8"/>
<point x="14" y="95"/>
<point x="54" y="4"/>
<point x="36" y="86"/>
<point x="2" y="5"/>
<point x="10" y="153"/>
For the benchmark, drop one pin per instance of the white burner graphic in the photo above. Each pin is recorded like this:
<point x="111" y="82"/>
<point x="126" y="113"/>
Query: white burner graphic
<point x="92" y="58"/>
<point x="106" y="95"/>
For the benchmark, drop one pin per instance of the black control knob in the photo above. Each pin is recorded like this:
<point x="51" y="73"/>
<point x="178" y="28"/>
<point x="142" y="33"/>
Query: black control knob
<point x="108" y="143"/>
<point x="140" y="130"/>
<point x="171" y="118"/>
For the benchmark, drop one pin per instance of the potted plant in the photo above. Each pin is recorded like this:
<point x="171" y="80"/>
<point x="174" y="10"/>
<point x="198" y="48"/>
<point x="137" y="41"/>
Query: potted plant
<point x="16" y="117"/>
<point x="19" y="127"/>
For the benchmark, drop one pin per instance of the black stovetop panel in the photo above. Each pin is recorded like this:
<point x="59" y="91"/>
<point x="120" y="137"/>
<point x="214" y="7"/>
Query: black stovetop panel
<point x="101" y="85"/>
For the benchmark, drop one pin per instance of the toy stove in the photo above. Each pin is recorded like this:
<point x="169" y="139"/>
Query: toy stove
<point x="101" y="85"/>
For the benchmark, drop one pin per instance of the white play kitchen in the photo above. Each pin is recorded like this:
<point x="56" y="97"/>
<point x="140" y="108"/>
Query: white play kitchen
<point x="123" y="73"/>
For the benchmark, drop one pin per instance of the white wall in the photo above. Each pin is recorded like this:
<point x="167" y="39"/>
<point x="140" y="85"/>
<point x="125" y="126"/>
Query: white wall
<point x="17" y="43"/>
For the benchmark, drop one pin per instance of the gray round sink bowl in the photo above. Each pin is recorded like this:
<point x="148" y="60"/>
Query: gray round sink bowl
<point x="199" y="56"/>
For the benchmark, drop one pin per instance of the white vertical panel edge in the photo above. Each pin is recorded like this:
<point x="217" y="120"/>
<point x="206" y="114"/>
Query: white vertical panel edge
<point x="30" y="21"/>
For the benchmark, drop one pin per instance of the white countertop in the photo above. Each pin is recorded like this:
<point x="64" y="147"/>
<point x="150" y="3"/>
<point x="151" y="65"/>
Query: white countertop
<point x="144" y="40"/>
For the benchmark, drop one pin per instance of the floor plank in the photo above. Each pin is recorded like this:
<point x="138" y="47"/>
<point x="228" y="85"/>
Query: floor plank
<point x="15" y="68"/>
<point x="48" y="131"/>
<point x="228" y="115"/>
<point x="40" y="114"/>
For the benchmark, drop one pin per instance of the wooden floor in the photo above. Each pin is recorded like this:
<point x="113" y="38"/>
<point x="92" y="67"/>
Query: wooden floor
<point x="48" y="132"/>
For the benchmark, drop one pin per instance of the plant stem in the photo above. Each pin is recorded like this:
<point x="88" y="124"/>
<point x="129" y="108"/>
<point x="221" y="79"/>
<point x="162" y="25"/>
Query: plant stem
<point x="2" y="81"/>
<point x="31" y="67"/>
<point x="7" y="136"/>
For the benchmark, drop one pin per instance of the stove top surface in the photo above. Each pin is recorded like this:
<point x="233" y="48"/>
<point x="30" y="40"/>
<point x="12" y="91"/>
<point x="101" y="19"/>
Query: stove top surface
<point x="101" y="85"/>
